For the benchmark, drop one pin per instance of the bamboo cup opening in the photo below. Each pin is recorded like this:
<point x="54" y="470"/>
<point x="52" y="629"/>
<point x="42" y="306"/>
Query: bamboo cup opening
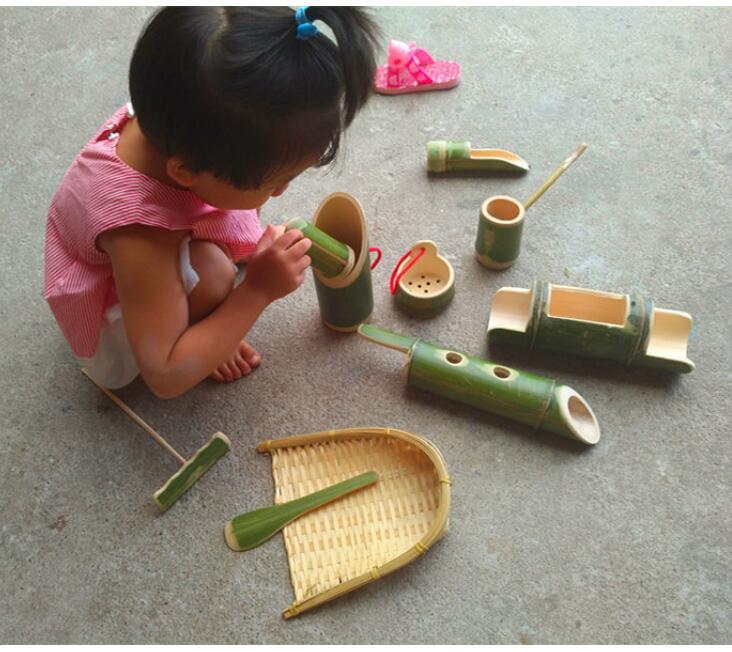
<point x="579" y="417"/>
<point x="504" y="209"/>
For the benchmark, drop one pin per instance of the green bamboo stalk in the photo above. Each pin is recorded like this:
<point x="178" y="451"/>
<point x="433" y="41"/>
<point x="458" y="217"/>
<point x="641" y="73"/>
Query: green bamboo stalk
<point x="252" y="529"/>
<point x="329" y="256"/>
<point x="192" y="470"/>
<point x="346" y="300"/>
<point x="458" y="156"/>
<point x="519" y="395"/>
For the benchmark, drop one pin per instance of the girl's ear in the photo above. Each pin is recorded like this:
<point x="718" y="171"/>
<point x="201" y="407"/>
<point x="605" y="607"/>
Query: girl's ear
<point x="177" y="170"/>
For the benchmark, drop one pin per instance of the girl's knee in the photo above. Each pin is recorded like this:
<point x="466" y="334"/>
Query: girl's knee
<point x="216" y="276"/>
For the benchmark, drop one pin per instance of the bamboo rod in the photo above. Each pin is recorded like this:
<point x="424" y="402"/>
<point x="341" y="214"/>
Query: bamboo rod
<point x="555" y="175"/>
<point x="139" y="421"/>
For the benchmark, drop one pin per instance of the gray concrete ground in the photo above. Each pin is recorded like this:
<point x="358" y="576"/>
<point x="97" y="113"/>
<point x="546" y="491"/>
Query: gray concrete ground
<point x="549" y="542"/>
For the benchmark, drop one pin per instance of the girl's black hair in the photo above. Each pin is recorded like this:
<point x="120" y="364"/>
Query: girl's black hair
<point x="232" y="91"/>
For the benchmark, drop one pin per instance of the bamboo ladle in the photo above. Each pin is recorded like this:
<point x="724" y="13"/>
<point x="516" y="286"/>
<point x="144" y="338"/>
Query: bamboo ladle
<point x="501" y="219"/>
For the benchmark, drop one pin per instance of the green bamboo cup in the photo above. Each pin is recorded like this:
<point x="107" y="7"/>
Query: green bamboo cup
<point x="345" y="300"/>
<point x="458" y="156"/>
<point x="625" y="328"/>
<point x="500" y="224"/>
<point x="531" y="399"/>
<point x="329" y="256"/>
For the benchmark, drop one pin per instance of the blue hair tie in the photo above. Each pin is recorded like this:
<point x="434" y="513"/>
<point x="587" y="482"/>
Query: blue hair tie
<point x="305" y="29"/>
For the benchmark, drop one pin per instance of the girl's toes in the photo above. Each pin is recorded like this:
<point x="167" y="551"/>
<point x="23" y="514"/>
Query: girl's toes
<point x="234" y="370"/>
<point x="243" y="366"/>
<point x="217" y="375"/>
<point x="249" y="354"/>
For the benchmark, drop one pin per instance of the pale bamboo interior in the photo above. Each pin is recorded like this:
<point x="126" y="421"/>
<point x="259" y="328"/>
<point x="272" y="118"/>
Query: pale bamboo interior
<point x="578" y="415"/>
<point x="362" y="536"/>
<point x="496" y="153"/>
<point x="511" y="309"/>
<point x="669" y="334"/>
<point x="429" y="277"/>
<point x="504" y="209"/>
<point x="341" y="217"/>
<point x="587" y="305"/>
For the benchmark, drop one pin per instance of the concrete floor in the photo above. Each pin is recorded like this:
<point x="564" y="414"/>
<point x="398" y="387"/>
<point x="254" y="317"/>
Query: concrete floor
<point x="550" y="543"/>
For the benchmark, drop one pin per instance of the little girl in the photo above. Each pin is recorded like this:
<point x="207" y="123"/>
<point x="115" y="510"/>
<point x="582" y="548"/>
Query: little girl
<point x="230" y="105"/>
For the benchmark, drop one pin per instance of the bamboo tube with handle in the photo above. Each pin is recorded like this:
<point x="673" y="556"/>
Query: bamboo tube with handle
<point x="519" y="395"/>
<point x="191" y="470"/>
<point x="501" y="221"/>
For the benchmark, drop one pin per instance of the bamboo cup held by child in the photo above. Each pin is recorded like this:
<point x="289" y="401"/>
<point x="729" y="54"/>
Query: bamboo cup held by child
<point x="501" y="222"/>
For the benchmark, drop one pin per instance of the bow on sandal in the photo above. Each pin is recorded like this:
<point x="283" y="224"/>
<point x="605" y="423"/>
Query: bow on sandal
<point x="411" y="69"/>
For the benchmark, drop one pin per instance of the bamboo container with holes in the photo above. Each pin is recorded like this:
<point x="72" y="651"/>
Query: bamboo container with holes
<point x="531" y="399"/>
<point x="365" y="535"/>
<point x="624" y="328"/>
<point x="345" y="300"/>
<point x="429" y="285"/>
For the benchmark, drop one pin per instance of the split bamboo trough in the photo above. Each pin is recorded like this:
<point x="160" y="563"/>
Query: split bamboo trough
<point x="625" y="328"/>
<point x="370" y="533"/>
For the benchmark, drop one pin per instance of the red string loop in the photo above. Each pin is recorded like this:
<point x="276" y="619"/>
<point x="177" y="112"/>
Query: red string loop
<point x="378" y="256"/>
<point x="398" y="275"/>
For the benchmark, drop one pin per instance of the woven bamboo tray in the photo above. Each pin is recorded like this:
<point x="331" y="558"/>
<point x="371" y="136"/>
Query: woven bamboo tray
<point x="364" y="536"/>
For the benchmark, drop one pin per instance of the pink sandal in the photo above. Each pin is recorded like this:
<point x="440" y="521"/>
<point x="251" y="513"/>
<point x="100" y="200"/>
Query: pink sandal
<point x="411" y="69"/>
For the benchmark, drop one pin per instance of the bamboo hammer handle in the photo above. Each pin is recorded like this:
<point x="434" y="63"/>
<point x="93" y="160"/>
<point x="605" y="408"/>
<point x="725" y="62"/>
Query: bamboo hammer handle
<point x="139" y="421"/>
<point x="555" y="175"/>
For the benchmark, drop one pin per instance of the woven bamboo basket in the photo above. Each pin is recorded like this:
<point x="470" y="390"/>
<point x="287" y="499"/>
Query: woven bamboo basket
<point x="364" y="536"/>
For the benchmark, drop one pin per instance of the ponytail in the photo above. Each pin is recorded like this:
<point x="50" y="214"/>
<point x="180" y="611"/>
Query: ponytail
<point x="234" y="91"/>
<point x="356" y="35"/>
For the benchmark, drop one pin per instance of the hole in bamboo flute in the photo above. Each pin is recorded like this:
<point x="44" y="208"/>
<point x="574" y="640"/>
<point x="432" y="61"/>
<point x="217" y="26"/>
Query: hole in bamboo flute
<point x="454" y="358"/>
<point x="501" y="372"/>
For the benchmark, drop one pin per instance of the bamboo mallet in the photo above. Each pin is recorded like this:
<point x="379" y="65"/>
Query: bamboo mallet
<point x="252" y="529"/>
<point x="554" y="176"/>
<point x="191" y="470"/>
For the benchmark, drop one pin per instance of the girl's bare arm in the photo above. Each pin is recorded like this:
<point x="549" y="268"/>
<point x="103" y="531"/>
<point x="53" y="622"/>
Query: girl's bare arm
<point x="173" y="355"/>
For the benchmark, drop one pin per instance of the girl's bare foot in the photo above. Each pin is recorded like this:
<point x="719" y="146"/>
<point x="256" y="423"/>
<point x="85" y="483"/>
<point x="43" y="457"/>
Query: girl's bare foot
<point x="240" y="363"/>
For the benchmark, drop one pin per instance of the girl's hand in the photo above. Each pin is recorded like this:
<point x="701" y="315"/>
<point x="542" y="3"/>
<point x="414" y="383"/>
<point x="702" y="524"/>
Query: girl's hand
<point x="277" y="267"/>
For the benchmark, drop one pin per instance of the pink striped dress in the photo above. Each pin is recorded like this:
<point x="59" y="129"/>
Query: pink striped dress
<point x="99" y="192"/>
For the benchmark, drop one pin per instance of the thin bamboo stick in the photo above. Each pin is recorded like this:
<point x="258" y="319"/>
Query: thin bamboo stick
<point x="555" y="175"/>
<point x="139" y="421"/>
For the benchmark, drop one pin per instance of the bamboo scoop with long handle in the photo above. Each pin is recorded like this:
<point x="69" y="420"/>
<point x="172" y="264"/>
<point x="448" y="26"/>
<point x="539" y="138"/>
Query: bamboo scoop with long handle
<point x="252" y="529"/>
<point x="191" y="470"/>
<point x="501" y="221"/>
